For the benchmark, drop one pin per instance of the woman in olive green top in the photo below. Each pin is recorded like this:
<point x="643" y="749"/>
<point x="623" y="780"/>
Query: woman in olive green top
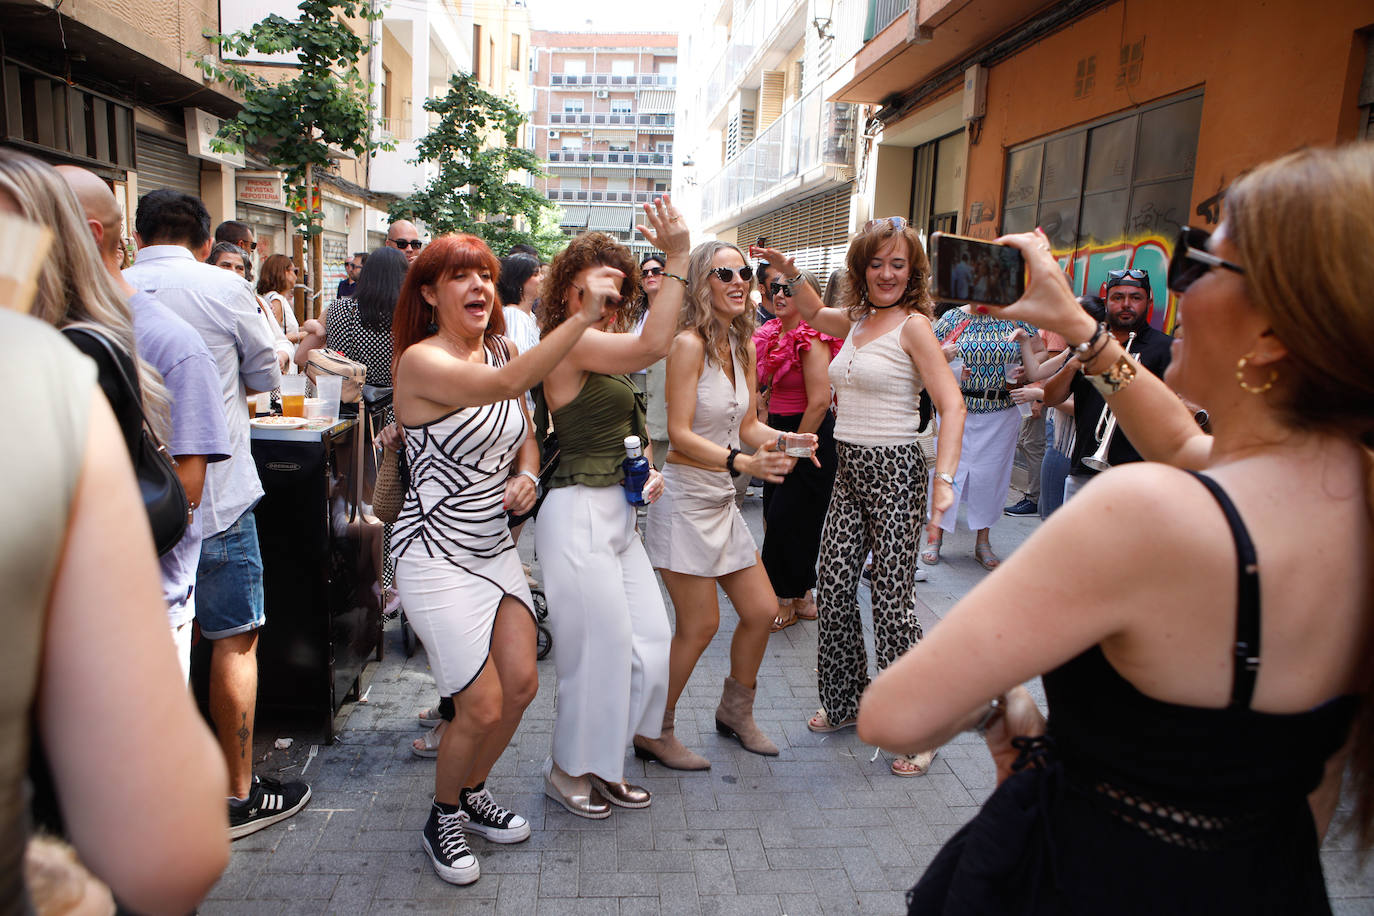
<point x="610" y="627"/>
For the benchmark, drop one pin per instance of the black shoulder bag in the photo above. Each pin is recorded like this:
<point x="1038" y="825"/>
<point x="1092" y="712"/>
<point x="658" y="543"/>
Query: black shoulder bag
<point x="164" y="498"/>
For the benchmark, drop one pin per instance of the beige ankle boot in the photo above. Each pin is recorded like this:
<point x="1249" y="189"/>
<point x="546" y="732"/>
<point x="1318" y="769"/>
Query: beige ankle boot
<point x="669" y="751"/>
<point x="735" y="719"/>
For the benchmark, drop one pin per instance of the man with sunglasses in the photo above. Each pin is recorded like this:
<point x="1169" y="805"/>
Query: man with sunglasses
<point x="352" y="268"/>
<point x="766" y="290"/>
<point x="402" y="234"/>
<point x="241" y="235"/>
<point x="1129" y="300"/>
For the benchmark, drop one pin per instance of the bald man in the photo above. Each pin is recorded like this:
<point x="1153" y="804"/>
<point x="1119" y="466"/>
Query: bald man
<point x="199" y="432"/>
<point x="402" y="234"/>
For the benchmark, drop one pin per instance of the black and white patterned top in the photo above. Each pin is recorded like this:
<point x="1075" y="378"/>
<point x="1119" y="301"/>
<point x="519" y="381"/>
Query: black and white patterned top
<point x="346" y="333"/>
<point x="459" y="465"/>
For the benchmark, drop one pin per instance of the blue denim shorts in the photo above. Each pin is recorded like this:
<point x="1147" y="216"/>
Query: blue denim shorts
<point x="229" y="581"/>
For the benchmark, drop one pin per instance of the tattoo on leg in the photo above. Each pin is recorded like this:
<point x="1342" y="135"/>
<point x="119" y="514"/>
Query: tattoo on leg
<point x="243" y="737"/>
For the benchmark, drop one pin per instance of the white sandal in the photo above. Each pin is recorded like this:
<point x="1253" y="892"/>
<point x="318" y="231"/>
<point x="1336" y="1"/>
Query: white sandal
<point x="920" y="763"/>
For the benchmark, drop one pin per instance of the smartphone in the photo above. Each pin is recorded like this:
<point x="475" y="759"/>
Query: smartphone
<point x="971" y="270"/>
<point x="761" y="243"/>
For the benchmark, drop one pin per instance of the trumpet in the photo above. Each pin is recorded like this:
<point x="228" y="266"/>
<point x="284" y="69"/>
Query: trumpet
<point x="1106" y="428"/>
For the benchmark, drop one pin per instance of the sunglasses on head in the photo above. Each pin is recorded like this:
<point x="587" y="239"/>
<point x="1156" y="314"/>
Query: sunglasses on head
<point x="725" y="274"/>
<point x="653" y="271"/>
<point x="402" y="243"/>
<point x="896" y="222"/>
<point x="1191" y="259"/>
<point x="777" y="289"/>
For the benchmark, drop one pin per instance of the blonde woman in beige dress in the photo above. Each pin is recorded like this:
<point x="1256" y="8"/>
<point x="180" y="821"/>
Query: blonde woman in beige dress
<point x="697" y="536"/>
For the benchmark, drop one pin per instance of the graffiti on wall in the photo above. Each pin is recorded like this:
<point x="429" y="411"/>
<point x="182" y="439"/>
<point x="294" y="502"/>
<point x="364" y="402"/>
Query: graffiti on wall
<point x="1087" y="269"/>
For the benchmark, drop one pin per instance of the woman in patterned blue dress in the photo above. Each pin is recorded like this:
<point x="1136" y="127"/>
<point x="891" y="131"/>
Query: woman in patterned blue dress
<point x="990" y="425"/>
<point x="459" y="388"/>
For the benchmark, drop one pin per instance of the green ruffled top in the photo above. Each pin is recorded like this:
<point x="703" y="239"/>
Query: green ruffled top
<point x="591" y="430"/>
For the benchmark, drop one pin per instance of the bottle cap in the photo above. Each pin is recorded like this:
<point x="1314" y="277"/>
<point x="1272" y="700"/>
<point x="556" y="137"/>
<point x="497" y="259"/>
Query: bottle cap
<point x="631" y="442"/>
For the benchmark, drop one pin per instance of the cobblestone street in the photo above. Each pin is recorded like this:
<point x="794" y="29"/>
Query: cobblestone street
<point x="822" y="828"/>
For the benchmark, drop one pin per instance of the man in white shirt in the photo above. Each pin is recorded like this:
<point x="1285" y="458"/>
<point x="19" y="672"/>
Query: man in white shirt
<point x="173" y="232"/>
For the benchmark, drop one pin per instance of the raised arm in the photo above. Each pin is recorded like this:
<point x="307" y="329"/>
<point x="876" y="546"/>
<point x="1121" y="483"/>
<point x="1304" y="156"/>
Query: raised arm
<point x="428" y="374"/>
<point x="611" y="353"/>
<point x="1157" y="422"/>
<point x="130" y="703"/>
<point x="832" y="321"/>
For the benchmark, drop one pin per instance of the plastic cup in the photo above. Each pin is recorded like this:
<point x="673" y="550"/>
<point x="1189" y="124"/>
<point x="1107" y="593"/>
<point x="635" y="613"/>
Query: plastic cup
<point x="1009" y="371"/>
<point x="330" y="390"/>
<point x="797" y="445"/>
<point x="293" y="395"/>
<point x="1025" y="408"/>
<point x="957" y="367"/>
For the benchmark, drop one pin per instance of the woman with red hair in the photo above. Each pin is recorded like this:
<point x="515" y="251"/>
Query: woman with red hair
<point x="459" y="396"/>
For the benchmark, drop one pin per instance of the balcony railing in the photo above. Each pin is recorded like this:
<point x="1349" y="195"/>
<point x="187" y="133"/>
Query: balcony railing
<point x="662" y="160"/>
<point x="813" y="132"/>
<point x="748" y="33"/>
<point x="576" y="195"/>
<point x="881" y="14"/>
<point x="612" y="119"/>
<point x="627" y="80"/>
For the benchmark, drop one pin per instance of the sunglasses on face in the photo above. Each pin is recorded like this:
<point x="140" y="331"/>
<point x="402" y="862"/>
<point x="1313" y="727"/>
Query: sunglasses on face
<point x="653" y="271"/>
<point x="896" y="222"/>
<point x="777" y="289"/>
<point x="1191" y="259"/>
<point x="402" y="243"/>
<point x="252" y="246"/>
<point x="725" y="274"/>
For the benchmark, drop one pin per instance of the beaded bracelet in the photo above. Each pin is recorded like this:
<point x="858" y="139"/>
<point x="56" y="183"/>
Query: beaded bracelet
<point x="1118" y="375"/>
<point x="677" y="278"/>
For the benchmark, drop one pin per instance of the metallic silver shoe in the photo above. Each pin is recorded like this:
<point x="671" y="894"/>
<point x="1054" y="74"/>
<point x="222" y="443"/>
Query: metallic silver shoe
<point x="591" y="805"/>
<point x="622" y="793"/>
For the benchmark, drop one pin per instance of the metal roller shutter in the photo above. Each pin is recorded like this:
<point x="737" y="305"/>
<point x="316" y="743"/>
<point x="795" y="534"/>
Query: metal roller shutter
<point x="814" y="231"/>
<point x="163" y="163"/>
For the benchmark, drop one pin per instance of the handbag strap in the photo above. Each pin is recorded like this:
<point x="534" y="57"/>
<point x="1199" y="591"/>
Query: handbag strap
<point x="130" y="388"/>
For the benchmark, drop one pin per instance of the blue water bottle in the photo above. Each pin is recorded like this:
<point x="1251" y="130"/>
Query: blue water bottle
<point x="636" y="471"/>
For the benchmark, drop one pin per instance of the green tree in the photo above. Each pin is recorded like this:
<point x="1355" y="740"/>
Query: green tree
<point x="303" y="122"/>
<point x="473" y="192"/>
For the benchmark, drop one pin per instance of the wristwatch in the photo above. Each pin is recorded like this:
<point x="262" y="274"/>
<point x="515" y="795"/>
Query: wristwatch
<point x="947" y="478"/>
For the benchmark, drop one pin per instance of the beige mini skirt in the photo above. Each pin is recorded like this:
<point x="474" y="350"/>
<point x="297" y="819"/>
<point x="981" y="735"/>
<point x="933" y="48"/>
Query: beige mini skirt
<point x="695" y="527"/>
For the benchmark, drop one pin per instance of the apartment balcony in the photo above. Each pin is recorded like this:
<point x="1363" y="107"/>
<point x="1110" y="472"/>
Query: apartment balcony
<point x="610" y="80"/>
<point x="571" y="156"/>
<point x="581" y="196"/>
<point x="761" y="27"/>
<point x="809" y="147"/>
<point x="613" y="119"/>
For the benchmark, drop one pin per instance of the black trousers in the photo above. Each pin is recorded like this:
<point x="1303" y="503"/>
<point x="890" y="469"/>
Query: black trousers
<point x="794" y="512"/>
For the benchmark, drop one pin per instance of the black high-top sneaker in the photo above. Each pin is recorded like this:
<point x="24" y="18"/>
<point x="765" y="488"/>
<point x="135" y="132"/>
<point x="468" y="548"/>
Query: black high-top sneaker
<point x="448" y="849"/>
<point x="486" y="818"/>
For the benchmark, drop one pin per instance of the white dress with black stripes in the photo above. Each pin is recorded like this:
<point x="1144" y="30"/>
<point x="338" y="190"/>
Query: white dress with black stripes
<point x="455" y="559"/>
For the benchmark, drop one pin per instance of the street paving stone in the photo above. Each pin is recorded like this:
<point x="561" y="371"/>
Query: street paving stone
<point x="823" y="828"/>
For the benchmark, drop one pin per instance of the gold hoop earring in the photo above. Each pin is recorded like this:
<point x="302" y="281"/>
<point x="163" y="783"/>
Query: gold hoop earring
<point x="1245" y="386"/>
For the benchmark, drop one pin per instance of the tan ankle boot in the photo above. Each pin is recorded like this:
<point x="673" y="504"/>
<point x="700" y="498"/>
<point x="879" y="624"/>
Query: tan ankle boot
<point x="735" y="719"/>
<point x="669" y="751"/>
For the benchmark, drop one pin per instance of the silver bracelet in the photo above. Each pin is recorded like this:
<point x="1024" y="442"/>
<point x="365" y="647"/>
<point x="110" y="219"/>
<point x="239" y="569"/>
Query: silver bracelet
<point x="995" y="708"/>
<point x="534" y="478"/>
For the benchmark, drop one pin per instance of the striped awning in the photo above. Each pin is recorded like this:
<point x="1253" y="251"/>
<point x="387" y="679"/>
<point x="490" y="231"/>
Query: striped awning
<point x="612" y="171"/>
<point x="613" y="134"/>
<point x="657" y="101"/>
<point x="574" y="216"/>
<point x="615" y="219"/>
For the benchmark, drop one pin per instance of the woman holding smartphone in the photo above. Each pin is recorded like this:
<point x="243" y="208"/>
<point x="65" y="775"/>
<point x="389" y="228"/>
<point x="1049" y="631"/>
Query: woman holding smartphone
<point x="610" y="628"/>
<point x="878" y="504"/>
<point x="697" y="536"/>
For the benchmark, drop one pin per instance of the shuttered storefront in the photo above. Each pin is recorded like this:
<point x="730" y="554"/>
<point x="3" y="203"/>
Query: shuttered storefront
<point x="814" y="231"/>
<point x="163" y="163"/>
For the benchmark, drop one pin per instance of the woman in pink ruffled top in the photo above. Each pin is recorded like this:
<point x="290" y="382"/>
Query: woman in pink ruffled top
<point x="793" y="363"/>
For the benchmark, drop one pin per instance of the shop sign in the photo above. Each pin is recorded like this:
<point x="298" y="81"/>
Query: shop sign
<point x="201" y="128"/>
<point x="266" y="190"/>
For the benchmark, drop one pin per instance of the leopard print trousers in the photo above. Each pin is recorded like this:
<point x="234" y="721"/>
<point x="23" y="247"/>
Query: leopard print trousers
<point x="878" y="504"/>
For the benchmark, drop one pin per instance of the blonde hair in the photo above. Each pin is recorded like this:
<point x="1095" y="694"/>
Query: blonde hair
<point x="1303" y="226"/>
<point x="699" y="315"/>
<point x="864" y="248"/>
<point x="73" y="285"/>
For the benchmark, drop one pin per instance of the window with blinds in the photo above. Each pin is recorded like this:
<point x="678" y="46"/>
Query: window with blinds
<point x="814" y="231"/>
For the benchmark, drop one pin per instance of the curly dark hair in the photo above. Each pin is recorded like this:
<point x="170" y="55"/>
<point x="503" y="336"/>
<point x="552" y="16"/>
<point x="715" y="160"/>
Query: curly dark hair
<point x="587" y="250"/>
<point x="862" y="250"/>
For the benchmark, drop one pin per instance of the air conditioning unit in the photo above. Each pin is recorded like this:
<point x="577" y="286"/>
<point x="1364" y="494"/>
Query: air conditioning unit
<point x="552" y="134"/>
<point x="603" y="93"/>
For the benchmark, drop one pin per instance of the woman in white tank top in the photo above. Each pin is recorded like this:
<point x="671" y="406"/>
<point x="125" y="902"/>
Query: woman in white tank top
<point x="878" y="504"/>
